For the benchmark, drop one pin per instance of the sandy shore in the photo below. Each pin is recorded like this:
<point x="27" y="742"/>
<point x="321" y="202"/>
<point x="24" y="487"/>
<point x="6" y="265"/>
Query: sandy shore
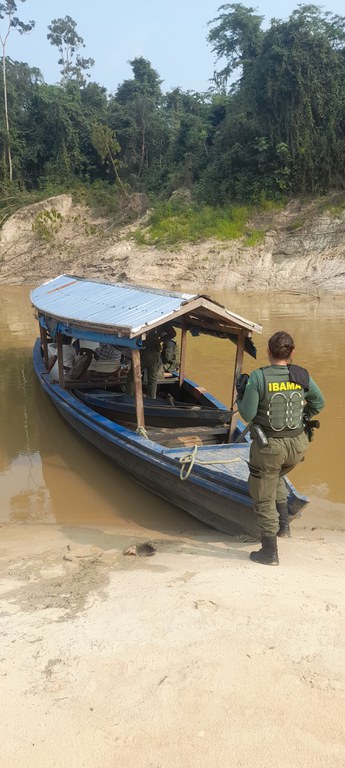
<point x="194" y="657"/>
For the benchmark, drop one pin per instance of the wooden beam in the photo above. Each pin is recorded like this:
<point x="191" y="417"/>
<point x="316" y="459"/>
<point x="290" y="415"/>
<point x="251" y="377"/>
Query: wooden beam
<point x="237" y="371"/>
<point x="195" y="322"/>
<point x="183" y="349"/>
<point x="60" y="359"/>
<point x="200" y="307"/>
<point x="138" y="389"/>
<point x="44" y="342"/>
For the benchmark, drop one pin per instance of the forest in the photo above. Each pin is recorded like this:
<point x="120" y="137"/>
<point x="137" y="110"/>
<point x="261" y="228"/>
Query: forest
<point x="271" y="125"/>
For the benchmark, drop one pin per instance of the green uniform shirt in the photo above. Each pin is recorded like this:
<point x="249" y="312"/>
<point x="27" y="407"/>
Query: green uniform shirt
<point x="248" y="406"/>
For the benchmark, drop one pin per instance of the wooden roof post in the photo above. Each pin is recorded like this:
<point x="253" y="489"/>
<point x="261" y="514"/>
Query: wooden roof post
<point x="183" y="355"/>
<point x="138" y="389"/>
<point x="44" y="343"/>
<point x="238" y="369"/>
<point x="60" y="359"/>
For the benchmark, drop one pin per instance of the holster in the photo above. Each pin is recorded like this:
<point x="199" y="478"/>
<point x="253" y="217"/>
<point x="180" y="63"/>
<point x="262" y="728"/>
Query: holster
<point x="309" y="427"/>
<point x="257" y="433"/>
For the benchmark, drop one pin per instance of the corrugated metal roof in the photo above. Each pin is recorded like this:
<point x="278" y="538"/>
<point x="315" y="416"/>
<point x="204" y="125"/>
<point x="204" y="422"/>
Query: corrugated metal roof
<point x="125" y="308"/>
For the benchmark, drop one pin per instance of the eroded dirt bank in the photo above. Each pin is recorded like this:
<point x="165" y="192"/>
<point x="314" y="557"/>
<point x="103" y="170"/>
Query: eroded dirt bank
<point x="192" y="657"/>
<point x="303" y="251"/>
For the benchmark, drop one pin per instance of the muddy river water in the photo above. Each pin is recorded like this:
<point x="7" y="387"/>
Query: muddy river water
<point x="50" y="475"/>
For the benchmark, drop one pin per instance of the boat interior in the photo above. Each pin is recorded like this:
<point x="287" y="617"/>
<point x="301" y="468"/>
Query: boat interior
<point x="169" y="393"/>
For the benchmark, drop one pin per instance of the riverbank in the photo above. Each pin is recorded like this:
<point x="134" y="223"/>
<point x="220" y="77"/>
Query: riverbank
<point x="300" y="249"/>
<point x="192" y="657"/>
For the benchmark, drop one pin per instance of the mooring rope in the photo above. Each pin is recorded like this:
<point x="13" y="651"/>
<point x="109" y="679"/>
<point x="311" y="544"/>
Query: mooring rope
<point x="190" y="458"/>
<point x="141" y="431"/>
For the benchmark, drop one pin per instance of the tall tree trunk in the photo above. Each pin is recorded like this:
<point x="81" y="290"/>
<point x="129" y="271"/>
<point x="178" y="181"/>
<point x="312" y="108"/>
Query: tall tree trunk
<point x="121" y="185"/>
<point x="143" y="135"/>
<point x="8" y="154"/>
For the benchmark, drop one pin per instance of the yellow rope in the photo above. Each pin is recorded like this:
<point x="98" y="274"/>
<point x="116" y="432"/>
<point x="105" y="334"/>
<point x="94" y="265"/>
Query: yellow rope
<point x="190" y="458"/>
<point x="141" y="431"/>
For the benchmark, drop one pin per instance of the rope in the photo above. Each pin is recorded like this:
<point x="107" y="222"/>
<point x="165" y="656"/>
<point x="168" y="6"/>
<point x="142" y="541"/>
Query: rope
<point x="190" y="458"/>
<point x="141" y="431"/>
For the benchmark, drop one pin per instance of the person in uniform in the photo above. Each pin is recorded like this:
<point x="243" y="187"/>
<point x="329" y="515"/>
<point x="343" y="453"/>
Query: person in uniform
<point x="277" y="400"/>
<point x="170" y="350"/>
<point x="150" y="359"/>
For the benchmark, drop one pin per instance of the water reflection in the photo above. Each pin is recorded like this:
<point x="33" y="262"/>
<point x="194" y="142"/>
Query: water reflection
<point x="48" y="473"/>
<point x="16" y="405"/>
<point x="85" y="487"/>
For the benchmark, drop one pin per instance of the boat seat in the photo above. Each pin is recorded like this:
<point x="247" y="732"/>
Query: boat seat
<point x="94" y="383"/>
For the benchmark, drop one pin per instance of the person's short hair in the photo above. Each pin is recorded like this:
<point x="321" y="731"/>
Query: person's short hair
<point x="281" y="345"/>
<point x="167" y="332"/>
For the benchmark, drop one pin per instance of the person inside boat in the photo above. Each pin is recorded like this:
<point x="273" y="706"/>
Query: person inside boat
<point x="97" y="359"/>
<point x="106" y="360"/>
<point x="170" y="350"/>
<point x="75" y="365"/>
<point x="278" y="399"/>
<point x="68" y="357"/>
<point x="150" y="358"/>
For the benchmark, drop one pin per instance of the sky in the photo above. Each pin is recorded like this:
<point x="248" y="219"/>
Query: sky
<point x="171" y="34"/>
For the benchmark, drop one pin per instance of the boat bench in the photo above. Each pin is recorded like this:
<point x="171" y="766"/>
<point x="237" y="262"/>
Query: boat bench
<point x="94" y="383"/>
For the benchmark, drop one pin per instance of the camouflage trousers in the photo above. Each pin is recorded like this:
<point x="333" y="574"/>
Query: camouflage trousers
<point x="150" y="360"/>
<point x="267" y="468"/>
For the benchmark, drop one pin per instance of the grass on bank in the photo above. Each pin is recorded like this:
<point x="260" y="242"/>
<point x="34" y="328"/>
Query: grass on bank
<point x="171" y="224"/>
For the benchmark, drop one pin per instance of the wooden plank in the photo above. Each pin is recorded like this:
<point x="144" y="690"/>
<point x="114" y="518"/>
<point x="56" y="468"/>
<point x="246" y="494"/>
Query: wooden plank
<point x="209" y="321"/>
<point x="186" y="432"/>
<point x="237" y="371"/>
<point x="44" y="343"/>
<point x="182" y="370"/>
<point x="190" y="441"/>
<point x="200" y="305"/>
<point x="189" y="437"/>
<point x="138" y="389"/>
<point x="105" y="384"/>
<point x="60" y="359"/>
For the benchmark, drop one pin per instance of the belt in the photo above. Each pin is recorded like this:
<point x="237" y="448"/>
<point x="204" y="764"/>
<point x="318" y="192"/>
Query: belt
<point x="283" y="433"/>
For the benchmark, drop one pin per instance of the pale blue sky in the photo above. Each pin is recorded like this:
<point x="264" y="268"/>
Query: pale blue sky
<point x="170" y="33"/>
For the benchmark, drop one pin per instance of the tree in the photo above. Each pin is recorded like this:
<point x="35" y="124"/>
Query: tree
<point x="299" y="92"/>
<point x="135" y="115"/>
<point x="7" y="11"/>
<point x="64" y="36"/>
<point x="236" y="38"/>
<point x="22" y="81"/>
<point x="107" y="146"/>
<point x="187" y="121"/>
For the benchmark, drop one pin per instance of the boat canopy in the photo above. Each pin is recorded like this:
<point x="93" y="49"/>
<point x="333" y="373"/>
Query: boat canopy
<point x="124" y="314"/>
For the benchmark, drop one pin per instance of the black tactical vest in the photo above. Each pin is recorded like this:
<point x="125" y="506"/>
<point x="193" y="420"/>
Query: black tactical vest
<point x="281" y="405"/>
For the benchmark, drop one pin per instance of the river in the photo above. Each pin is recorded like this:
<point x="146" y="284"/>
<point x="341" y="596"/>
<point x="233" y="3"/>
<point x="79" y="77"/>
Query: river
<point x="50" y="475"/>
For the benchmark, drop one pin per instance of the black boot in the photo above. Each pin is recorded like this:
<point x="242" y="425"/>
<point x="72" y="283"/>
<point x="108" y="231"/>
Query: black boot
<point x="268" y="554"/>
<point x="283" y="512"/>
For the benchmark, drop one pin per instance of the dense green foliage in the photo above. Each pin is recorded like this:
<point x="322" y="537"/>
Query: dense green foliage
<point x="272" y="125"/>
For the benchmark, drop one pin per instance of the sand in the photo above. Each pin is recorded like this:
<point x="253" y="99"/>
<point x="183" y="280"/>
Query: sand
<point x="192" y="657"/>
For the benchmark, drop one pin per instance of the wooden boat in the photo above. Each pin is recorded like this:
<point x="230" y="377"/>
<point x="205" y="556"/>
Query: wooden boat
<point x="203" y="469"/>
<point x="174" y="406"/>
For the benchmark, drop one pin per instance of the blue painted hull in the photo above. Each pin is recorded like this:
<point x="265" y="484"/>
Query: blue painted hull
<point x="216" y="491"/>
